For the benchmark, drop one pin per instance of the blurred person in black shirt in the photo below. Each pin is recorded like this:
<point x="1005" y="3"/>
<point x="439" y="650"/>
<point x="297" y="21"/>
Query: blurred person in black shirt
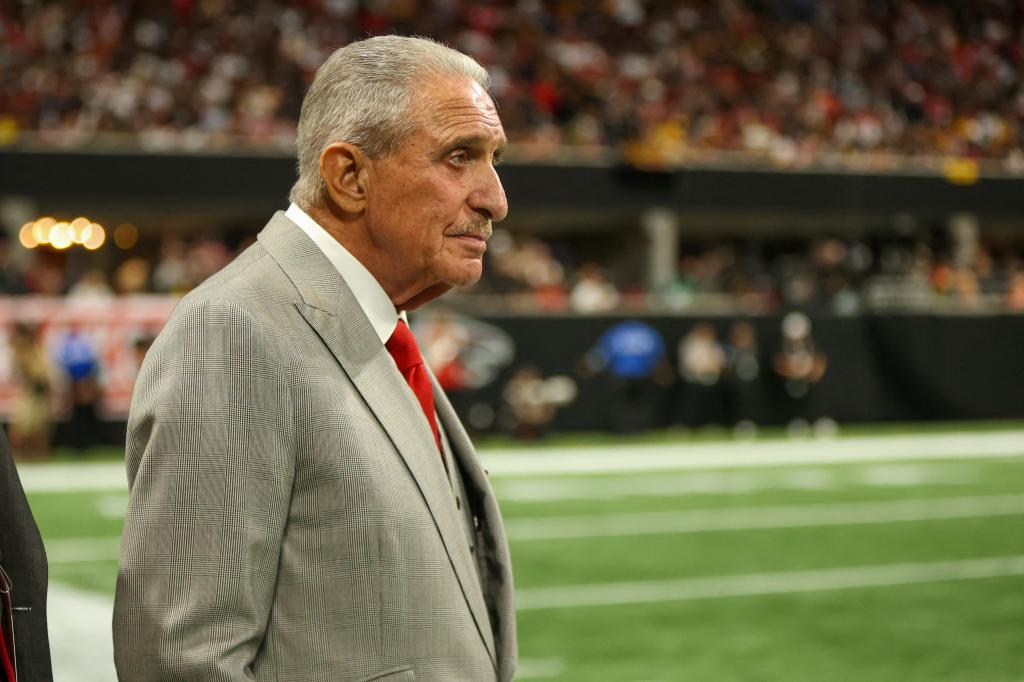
<point x="743" y="379"/>
<point x="800" y="366"/>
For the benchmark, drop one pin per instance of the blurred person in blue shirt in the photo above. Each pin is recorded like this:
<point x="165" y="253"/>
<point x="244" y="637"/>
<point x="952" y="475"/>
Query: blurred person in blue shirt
<point x="631" y="357"/>
<point x="77" y="356"/>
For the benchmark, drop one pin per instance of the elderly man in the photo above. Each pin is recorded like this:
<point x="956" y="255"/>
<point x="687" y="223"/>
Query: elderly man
<point x="305" y="504"/>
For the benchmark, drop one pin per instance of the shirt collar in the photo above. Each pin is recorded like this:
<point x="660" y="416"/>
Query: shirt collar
<point x="369" y="294"/>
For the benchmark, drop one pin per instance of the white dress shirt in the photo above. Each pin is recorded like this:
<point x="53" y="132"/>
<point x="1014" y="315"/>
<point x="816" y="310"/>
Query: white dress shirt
<point x="370" y="295"/>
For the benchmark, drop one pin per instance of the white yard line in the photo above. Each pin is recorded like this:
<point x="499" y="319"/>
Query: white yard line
<point x="733" y="481"/>
<point x="757" y="584"/>
<point x="65" y="476"/>
<point x="82" y="648"/>
<point x="106" y="548"/>
<point x="536" y="668"/>
<point x="678" y="456"/>
<point x="613" y="458"/>
<point x="81" y="643"/>
<point x="751" y="518"/>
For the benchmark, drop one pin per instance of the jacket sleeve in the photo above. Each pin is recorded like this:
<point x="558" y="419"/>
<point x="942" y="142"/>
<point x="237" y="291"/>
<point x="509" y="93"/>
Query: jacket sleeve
<point x="23" y="558"/>
<point x="210" y="462"/>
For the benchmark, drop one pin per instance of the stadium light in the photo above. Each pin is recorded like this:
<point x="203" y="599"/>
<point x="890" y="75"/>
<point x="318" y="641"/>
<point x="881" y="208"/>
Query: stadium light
<point x="97" y="235"/>
<point x="60" y="236"/>
<point x="79" y="226"/>
<point x="41" y="229"/>
<point x="26" y="237"/>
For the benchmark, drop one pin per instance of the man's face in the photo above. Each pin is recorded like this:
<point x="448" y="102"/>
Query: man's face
<point x="431" y="204"/>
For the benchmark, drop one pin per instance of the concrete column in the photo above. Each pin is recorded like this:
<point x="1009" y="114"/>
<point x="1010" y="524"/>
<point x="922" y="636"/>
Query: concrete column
<point x="963" y="232"/>
<point x="662" y="228"/>
<point x="15" y="212"/>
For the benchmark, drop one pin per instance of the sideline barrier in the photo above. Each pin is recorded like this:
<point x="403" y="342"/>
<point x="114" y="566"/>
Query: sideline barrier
<point x="879" y="367"/>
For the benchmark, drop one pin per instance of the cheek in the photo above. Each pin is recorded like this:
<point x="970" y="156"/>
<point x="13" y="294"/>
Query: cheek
<point x="422" y="213"/>
<point x="439" y="219"/>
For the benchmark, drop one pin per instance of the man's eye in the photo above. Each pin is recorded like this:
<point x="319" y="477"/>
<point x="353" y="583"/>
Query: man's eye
<point x="459" y="158"/>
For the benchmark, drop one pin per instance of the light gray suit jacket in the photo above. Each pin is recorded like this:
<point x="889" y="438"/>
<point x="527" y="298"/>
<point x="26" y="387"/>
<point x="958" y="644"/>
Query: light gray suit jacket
<point x="290" y="518"/>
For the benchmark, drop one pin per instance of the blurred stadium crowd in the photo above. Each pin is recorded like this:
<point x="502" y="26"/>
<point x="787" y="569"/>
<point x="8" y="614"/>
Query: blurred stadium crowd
<point x="749" y="275"/>
<point x="788" y="82"/>
<point x="864" y="85"/>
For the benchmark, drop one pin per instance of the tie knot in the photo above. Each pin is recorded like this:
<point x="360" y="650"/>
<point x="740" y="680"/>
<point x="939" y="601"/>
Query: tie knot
<point x="403" y="348"/>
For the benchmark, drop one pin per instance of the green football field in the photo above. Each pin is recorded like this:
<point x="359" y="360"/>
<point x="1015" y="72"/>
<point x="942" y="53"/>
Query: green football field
<point x="895" y="556"/>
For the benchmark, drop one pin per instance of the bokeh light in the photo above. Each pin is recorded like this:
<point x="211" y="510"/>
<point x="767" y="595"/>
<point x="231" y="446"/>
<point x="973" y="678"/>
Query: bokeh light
<point x="60" y="235"/>
<point x="126" y="235"/>
<point x="26" y="237"/>
<point x="97" y="235"/>
<point x="78" y="228"/>
<point x="41" y="229"/>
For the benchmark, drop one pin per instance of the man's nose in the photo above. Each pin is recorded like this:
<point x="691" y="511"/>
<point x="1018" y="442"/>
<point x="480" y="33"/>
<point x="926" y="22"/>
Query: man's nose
<point x="489" y="198"/>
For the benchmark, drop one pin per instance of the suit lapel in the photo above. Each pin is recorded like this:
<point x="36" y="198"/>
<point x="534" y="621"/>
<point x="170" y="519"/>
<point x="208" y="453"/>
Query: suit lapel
<point x="331" y="310"/>
<point x="499" y="561"/>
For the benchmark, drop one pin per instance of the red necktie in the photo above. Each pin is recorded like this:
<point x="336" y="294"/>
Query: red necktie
<point x="6" y="631"/>
<point x="6" y="660"/>
<point x="403" y="348"/>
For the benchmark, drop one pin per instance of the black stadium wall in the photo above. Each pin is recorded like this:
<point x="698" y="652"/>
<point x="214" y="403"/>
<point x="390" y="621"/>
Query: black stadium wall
<point x="83" y="181"/>
<point x="879" y="368"/>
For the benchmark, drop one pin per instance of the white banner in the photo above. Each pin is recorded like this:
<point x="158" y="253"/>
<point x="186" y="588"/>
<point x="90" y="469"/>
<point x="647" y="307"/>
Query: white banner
<point x="111" y="327"/>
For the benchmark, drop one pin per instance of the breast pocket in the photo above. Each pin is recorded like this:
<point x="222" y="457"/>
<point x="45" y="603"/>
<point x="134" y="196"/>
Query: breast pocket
<point x="402" y="674"/>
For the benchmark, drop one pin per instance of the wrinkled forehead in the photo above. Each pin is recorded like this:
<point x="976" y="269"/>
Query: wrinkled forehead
<point x="450" y="106"/>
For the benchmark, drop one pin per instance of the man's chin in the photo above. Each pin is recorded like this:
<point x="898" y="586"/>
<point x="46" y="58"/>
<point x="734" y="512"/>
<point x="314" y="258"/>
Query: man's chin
<point x="425" y="296"/>
<point x="466" y="275"/>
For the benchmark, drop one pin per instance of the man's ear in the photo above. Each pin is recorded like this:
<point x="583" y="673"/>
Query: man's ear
<point x="343" y="168"/>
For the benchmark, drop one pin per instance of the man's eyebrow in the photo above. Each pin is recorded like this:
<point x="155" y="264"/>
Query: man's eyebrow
<point x="477" y="141"/>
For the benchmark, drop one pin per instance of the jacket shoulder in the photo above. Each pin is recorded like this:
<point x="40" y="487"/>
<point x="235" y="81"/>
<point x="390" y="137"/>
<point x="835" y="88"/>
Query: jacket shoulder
<point x="251" y="282"/>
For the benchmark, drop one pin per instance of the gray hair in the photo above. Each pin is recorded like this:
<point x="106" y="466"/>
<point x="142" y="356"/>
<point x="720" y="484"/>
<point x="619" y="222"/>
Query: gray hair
<point x="362" y="95"/>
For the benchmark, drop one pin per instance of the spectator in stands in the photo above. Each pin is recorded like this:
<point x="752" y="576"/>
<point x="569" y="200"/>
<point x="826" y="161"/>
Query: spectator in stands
<point x="1015" y="292"/>
<point x="132" y="276"/>
<point x="878" y="84"/>
<point x="593" y="292"/>
<point x="92" y="286"/>
<point x="725" y="274"/>
<point x="43" y="275"/>
<point x="171" y="274"/>
<point x="10" y="277"/>
<point x="526" y="268"/>
<point x="31" y="420"/>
